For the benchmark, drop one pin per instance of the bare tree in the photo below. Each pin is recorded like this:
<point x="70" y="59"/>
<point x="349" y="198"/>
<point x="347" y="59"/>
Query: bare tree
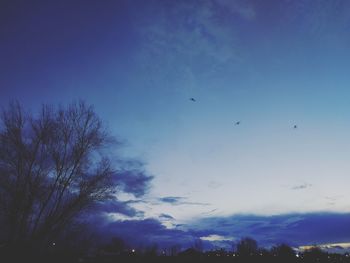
<point x="52" y="167"/>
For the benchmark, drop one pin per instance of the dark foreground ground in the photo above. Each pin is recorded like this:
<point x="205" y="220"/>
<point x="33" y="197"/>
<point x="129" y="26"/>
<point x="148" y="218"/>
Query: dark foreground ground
<point x="327" y="258"/>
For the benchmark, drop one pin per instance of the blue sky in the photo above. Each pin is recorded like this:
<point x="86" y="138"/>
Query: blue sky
<point x="269" y="64"/>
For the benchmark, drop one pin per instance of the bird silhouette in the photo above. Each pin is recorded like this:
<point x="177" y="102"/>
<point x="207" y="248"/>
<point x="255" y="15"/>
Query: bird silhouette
<point x="237" y="122"/>
<point x="295" y="126"/>
<point x="192" y="99"/>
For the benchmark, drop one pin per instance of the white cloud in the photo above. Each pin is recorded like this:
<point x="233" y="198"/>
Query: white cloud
<point x="213" y="238"/>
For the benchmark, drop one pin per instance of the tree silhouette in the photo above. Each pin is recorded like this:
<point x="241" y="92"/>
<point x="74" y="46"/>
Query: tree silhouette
<point x="175" y="249"/>
<point x="283" y="251"/>
<point x="247" y="247"/>
<point x="117" y="246"/>
<point x="52" y="167"/>
<point x="315" y="254"/>
<point x="198" y="245"/>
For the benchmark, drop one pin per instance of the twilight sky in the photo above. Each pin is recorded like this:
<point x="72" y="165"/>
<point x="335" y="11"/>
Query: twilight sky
<point x="268" y="64"/>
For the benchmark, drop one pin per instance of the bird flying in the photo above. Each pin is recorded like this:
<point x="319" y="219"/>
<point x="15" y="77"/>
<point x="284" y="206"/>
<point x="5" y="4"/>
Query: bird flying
<point x="192" y="99"/>
<point x="295" y="126"/>
<point x="237" y="122"/>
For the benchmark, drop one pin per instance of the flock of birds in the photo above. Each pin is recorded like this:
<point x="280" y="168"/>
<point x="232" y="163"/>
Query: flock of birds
<point x="239" y="122"/>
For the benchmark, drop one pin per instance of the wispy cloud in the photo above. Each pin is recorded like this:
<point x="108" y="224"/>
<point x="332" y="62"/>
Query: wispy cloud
<point x="177" y="200"/>
<point x="301" y="186"/>
<point x="214" y="184"/>
<point x="333" y="198"/>
<point x="210" y="212"/>
<point x="166" y="217"/>
<point x="171" y="199"/>
<point x="241" y="8"/>
<point x="187" y="40"/>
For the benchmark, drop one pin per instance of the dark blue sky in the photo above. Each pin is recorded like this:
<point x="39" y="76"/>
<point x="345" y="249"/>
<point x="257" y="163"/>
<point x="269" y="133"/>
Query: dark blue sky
<point x="268" y="64"/>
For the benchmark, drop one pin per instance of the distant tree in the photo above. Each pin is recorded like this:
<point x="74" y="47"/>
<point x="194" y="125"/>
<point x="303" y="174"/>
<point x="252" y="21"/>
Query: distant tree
<point x="264" y="252"/>
<point x="247" y="247"/>
<point x="117" y="246"/>
<point x="198" y="245"/>
<point x="315" y="254"/>
<point x="283" y="251"/>
<point x="52" y="167"/>
<point x="152" y="250"/>
<point x="175" y="249"/>
<point x="190" y="253"/>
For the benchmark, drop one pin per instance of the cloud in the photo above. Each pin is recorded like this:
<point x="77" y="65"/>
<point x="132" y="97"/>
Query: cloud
<point x="166" y="217"/>
<point x="214" y="184"/>
<point x="177" y="200"/>
<point x="142" y="233"/>
<point x="337" y="247"/>
<point x="330" y="247"/>
<point x="117" y="207"/>
<point x="214" y="238"/>
<point x="210" y="212"/>
<point x="186" y="40"/>
<point x="294" y="229"/>
<point x="301" y="186"/>
<point x="333" y="198"/>
<point x="135" y="182"/>
<point x="171" y="199"/>
<point x="133" y="179"/>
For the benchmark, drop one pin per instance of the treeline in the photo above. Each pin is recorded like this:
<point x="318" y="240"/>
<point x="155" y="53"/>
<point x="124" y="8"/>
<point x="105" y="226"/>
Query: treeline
<point x="246" y="250"/>
<point x="116" y="250"/>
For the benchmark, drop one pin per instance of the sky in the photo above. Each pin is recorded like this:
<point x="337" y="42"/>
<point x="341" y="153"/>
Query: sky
<point x="268" y="64"/>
